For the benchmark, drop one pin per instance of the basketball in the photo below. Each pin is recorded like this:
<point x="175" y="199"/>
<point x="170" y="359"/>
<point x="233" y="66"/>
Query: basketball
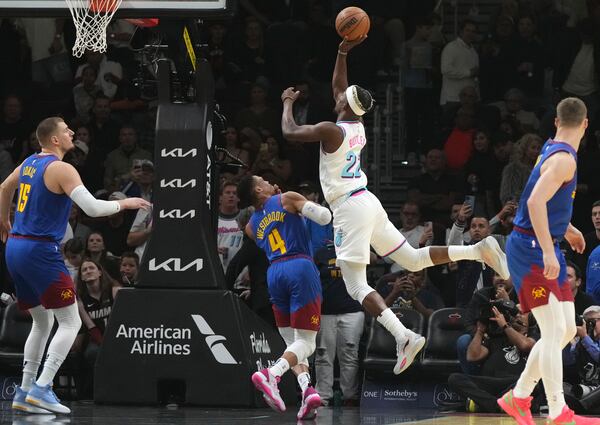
<point x="352" y="22"/>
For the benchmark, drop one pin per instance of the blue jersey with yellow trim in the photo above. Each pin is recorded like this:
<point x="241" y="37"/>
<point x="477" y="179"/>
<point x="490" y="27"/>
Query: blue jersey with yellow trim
<point x="278" y="232"/>
<point x="40" y="213"/>
<point x="560" y="206"/>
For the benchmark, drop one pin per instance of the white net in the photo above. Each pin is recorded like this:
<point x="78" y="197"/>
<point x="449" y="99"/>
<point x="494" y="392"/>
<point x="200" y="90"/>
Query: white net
<point x="91" y="17"/>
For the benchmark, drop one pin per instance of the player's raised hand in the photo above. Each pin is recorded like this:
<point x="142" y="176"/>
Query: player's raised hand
<point x="575" y="239"/>
<point x="135" y="204"/>
<point x="5" y="227"/>
<point x="290" y="93"/>
<point x="551" y="266"/>
<point x="346" y="45"/>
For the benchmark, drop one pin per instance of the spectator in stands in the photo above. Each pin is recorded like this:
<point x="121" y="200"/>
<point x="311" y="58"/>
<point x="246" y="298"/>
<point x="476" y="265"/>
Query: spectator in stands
<point x="270" y="160"/>
<point x="576" y="71"/>
<point x="119" y="35"/>
<point x="80" y="230"/>
<point x="584" y="353"/>
<point x="250" y="261"/>
<point x="502" y="148"/>
<point x="434" y="190"/>
<point x="471" y="275"/>
<point x="592" y="240"/>
<point x="526" y="55"/>
<point x="516" y="173"/>
<point x="74" y="250"/>
<point x="49" y="58"/>
<point x="460" y="63"/>
<point x="320" y="236"/>
<point x="140" y="232"/>
<point x="458" y="145"/>
<point x="139" y="183"/>
<point x="233" y="146"/>
<point x="582" y="300"/>
<point x="32" y="146"/>
<point x="342" y="321"/>
<point x="593" y="275"/>
<point x="502" y="352"/>
<point x="128" y="268"/>
<point x="120" y="161"/>
<point x="416" y="235"/>
<point x="83" y="134"/>
<point x="501" y="290"/>
<point x="258" y="113"/>
<point x="96" y="250"/>
<point x="229" y="234"/>
<point x="494" y="61"/>
<point x="14" y="127"/>
<point x="419" y="87"/>
<point x="485" y="116"/>
<point x="512" y="108"/>
<point x="410" y="290"/>
<point x="77" y="156"/>
<point x="108" y="73"/>
<point x="249" y="54"/>
<point x="85" y="93"/>
<point x="104" y="132"/>
<point x="479" y="179"/>
<point x="96" y="292"/>
<point x="116" y="229"/>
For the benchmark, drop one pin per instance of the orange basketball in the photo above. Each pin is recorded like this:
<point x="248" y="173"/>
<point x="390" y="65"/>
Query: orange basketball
<point x="352" y="22"/>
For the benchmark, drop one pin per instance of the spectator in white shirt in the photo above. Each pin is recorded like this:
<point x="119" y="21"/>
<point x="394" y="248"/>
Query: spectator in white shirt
<point x="460" y="64"/>
<point x="109" y="73"/>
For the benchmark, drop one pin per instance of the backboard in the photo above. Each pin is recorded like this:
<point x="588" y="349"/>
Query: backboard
<point x="128" y="9"/>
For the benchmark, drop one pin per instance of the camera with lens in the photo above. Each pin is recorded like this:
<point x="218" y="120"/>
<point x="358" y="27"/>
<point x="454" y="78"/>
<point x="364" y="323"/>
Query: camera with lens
<point x="590" y="326"/>
<point x="506" y="307"/>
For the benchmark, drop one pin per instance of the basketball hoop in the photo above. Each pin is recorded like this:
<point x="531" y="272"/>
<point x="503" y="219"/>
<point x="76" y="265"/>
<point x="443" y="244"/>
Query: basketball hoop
<point x="91" y="18"/>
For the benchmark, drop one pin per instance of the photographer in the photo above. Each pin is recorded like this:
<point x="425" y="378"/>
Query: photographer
<point x="501" y="346"/>
<point x="502" y="290"/>
<point x="410" y="290"/>
<point x="584" y="353"/>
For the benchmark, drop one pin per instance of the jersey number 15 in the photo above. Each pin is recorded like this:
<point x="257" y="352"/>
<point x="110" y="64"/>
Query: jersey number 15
<point x="24" y="190"/>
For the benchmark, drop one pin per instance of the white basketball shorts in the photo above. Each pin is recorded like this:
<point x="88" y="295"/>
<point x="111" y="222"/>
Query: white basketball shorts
<point x="359" y="221"/>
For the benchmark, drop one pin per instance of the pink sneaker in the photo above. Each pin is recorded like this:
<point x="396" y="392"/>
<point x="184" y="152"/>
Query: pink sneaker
<point x="568" y="417"/>
<point x="267" y="384"/>
<point x="518" y="408"/>
<point x="311" y="400"/>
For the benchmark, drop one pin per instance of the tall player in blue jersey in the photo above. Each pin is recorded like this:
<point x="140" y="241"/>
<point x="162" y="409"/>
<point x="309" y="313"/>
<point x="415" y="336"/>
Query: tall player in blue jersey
<point x="42" y="282"/>
<point x="538" y="267"/>
<point x="279" y="229"/>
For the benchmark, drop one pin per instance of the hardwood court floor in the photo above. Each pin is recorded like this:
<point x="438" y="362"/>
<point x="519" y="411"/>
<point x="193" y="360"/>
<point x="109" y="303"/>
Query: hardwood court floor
<point x="90" y="414"/>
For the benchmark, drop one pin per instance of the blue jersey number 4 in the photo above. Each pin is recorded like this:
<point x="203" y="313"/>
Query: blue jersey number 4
<point x="352" y="169"/>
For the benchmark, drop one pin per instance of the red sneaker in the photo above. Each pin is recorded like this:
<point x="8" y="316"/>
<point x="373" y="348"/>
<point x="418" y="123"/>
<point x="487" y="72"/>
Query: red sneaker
<point x="518" y="408"/>
<point x="568" y="417"/>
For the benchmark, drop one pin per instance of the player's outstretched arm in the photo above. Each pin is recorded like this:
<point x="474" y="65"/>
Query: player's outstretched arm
<point x="557" y="169"/>
<point x="326" y="131"/>
<point x="7" y="193"/>
<point x="298" y="204"/>
<point x="62" y="177"/>
<point x="339" y="82"/>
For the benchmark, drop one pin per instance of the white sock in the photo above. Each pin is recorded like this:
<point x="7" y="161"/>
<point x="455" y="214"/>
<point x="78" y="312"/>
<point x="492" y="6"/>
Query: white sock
<point x="30" y="370"/>
<point x="69" y="324"/>
<point x="467" y="252"/>
<point x="530" y="375"/>
<point x="304" y="381"/>
<point x="280" y="367"/>
<point x="388" y="320"/>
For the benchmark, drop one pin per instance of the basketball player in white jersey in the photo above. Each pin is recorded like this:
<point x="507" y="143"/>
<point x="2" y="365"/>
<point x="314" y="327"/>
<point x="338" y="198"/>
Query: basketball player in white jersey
<point x="359" y="220"/>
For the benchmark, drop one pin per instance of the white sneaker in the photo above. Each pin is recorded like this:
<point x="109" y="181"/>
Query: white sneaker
<point x="493" y="256"/>
<point x="408" y="351"/>
<point x="267" y="384"/>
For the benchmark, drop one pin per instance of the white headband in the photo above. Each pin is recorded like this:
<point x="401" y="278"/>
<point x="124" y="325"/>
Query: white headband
<point x="355" y="105"/>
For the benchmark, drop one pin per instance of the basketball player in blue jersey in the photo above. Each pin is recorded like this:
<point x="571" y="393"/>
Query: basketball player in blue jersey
<point x="359" y="220"/>
<point x="33" y="256"/>
<point x="279" y="229"/>
<point x="538" y="267"/>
